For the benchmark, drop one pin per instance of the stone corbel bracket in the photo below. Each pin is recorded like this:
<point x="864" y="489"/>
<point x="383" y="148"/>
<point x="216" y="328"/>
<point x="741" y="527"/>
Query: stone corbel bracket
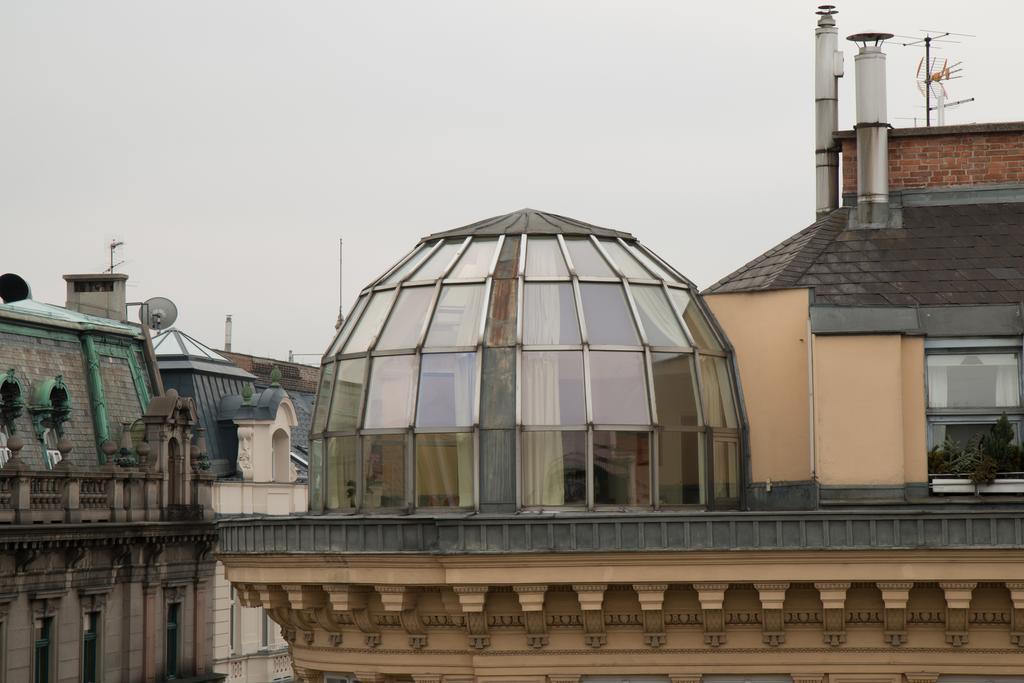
<point x="773" y="624"/>
<point x="472" y="600"/>
<point x="274" y="600"/>
<point x="958" y="605"/>
<point x="306" y="675"/>
<point x="896" y="596"/>
<point x="305" y="601"/>
<point x="1017" y="613"/>
<point x="712" y="600"/>
<point x="833" y="617"/>
<point x="591" y="597"/>
<point x="354" y="600"/>
<point x="652" y="600"/>
<point x="531" y="601"/>
<point x="403" y="599"/>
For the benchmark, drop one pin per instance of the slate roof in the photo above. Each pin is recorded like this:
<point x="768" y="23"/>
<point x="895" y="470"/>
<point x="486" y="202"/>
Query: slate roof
<point x="954" y="254"/>
<point x="530" y="222"/>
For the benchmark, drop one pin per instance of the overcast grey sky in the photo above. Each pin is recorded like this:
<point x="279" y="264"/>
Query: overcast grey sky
<point x="230" y="144"/>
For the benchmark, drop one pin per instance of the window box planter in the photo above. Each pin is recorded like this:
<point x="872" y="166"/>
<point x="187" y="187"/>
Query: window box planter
<point x="1004" y="483"/>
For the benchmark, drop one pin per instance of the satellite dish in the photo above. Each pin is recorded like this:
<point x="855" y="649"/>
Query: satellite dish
<point x="158" y="313"/>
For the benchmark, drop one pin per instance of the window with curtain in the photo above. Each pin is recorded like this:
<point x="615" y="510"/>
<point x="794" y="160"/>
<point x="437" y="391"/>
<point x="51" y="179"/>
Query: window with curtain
<point x="586" y="260"/>
<point x="699" y="328"/>
<point x="544" y="258"/>
<point x="384" y="470"/>
<point x="661" y="324"/>
<point x="389" y="397"/>
<point x="626" y="262"/>
<point x="444" y="470"/>
<point x="341" y="473"/>
<point x="549" y="314"/>
<point x="617" y="387"/>
<point x="405" y="323"/>
<point x="719" y="406"/>
<point x="476" y="260"/>
<point x="606" y="311"/>
<point x="552" y="388"/>
<point x="348" y="389"/>
<point x="457" y="318"/>
<point x="369" y="322"/>
<point x="554" y="468"/>
<point x="447" y="390"/>
<point x="435" y="266"/>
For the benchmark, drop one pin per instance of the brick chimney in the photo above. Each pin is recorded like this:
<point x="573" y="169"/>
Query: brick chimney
<point x="102" y="294"/>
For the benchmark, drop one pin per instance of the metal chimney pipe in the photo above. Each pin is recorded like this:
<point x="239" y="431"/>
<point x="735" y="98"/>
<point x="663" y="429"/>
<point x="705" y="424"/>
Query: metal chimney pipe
<point x="872" y="130"/>
<point x="227" y="333"/>
<point x="828" y="69"/>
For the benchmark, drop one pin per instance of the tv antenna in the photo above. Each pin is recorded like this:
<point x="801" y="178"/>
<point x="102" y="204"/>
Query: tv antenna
<point x="114" y="244"/>
<point x="930" y="74"/>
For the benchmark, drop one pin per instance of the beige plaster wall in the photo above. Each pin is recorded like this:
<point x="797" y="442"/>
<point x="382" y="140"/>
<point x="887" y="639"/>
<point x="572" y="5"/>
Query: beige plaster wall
<point x="915" y="421"/>
<point x="769" y="333"/>
<point x="858" y="409"/>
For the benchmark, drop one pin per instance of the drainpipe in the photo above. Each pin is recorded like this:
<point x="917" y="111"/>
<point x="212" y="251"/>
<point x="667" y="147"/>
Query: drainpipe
<point x="828" y="69"/>
<point x="872" y="131"/>
<point x="97" y="399"/>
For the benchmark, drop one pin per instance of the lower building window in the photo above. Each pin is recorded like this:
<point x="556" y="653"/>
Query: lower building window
<point x="42" y="661"/>
<point x="171" y="652"/>
<point x="90" y="651"/>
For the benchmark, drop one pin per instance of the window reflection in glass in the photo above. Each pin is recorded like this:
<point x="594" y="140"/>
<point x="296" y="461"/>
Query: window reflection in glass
<point x="552" y="388"/>
<point x="447" y="390"/>
<point x="549" y="314"/>
<point x="348" y="389"/>
<point x="389" y="399"/>
<point x="973" y="380"/>
<point x="436" y="264"/>
<point x="341" y="473"/>
<point x="407" y="267"/>
<point x="675" y="389"/>
<point x="384" y="471"/>
<point x="719" y="407"/>
<point x="680" y="469"/>
<point x="586" y="259"/>
<point x="444" y="470"/>
<point x="727" y="474"/>
<point x="357" y="311"/>
<point x="544" y="258"/>
<point x="962" y="432"/>
<point x="457" y="318"/>
<point x="476" y="260"/>
<point x="660" y="322"/>
<point x="316" y="478"/>
<point x="617" y="386"/>
<point x="622" y="468"/>
<point x="626" y="262"/>
<point x="323" y="398"/>
<point x="607" y="314"/>
<point x="554" y="468"/>
<point x="405" y="323"/>
<point x="699" y="328"/>
<point x="369" y="323"/>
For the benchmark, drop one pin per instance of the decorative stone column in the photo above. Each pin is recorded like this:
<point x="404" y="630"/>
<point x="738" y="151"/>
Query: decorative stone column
<point x="652" y="599"/>
<point x="1016" y="613"/>
<point x="712" y="600"/>
<point x="895" y="596"/>
<point x="531" y="601"/>
<point x="773" y="624"/>
<point x="833" y="603"/>
<point x="958" y="604"/>
<point x="472" y="599"/>
<point x="591" y="597"/>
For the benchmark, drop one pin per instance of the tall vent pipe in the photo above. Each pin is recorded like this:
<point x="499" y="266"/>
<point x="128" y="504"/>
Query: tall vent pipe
<point x="828" y="69"/>
<point x="227" y="333"/>
<point x="872" y="130"/>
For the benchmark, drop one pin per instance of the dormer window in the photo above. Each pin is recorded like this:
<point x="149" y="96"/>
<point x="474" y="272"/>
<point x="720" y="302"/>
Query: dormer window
<point x="11" y="405"/>
<point x="51" y="409"/>
<point x="5" y="452"/>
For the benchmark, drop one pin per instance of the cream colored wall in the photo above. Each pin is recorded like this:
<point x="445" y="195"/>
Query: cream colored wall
<point x="915" y="421"/>
<point x="769" y="333"/>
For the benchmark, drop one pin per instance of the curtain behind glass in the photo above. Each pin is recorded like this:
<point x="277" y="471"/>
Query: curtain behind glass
<point x="444" y="470"/>
<point x="549" y="314"/>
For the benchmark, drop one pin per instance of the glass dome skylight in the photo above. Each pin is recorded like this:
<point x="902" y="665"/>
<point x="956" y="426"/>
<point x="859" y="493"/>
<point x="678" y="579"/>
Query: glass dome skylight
<point x="533" y="347"/>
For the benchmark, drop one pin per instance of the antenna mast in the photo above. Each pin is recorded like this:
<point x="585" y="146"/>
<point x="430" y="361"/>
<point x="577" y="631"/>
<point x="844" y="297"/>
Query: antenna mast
<point x="929" y="76"/>
<point x="341" y="310"/>
<point x="114" y="244"/>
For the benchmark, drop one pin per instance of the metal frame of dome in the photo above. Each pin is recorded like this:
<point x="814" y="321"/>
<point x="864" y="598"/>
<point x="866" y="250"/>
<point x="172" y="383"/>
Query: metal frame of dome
<point x="435" y="268"/>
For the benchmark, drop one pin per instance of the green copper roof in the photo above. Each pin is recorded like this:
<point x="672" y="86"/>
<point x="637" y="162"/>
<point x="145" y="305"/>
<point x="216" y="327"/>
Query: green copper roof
<point x="50" y="313"/>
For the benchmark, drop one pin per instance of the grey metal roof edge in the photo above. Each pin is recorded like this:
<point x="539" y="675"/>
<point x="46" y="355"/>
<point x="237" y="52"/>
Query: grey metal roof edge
<point x="960" y="129"/>
<point x="519" y="223"/>
<point x="956" y="195"/>
<point x="872" y="529"/>
<point x="953" y="320"/>
<point x="201" y="366"/>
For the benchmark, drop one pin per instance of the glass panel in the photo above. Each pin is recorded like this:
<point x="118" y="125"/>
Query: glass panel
<point x="89" y="649"/>
<point x="323" y="398"/>
<point x="171" y="649"/>
<point x="405" y="323"/>
<point x="552" y="386"/>
<point x="316" y="480"/>
<point x="384" y="471"/>
<point x="962" y="433"/>
<point x="444" y="470"/>
<point x="629" y="266"/>
<point x="347" y="327"/>
<point x="618" y="390"/>
<point x="586" y="259"/>
<point x="554" y="468"/>
<point x="544" y="258"/>
<point x="447" y="390"/>
<point x="622" y="468"/>
<point x="436" y="264"/>
<point x="348" y="389"/>
<point x="476" y="260"/>
<point x="407" y="267"/>
<point x="457" y="318"/>
<point x="675" y="389"/>
<point x="606" y="311"/>
<point x="650" y="264"/>
<point x="659" y="320"/>
<point x="549" y="314"/>
<point x="973" y="380"/>
<point x="699" y="328"/>
<point x="680" y="469"/>
<point x="368" y="325"/>
<point x="727" y="474"/>
<point x="719" y="408"/>
<point x="389" y="399"/>
<point x="341" y="473"/>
